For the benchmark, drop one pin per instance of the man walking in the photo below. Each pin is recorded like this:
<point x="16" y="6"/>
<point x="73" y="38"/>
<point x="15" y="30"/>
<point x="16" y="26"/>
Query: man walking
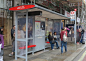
<point x="62" y="42"/>
<point x="13" y="40"/>
<point x="12" y="31"/>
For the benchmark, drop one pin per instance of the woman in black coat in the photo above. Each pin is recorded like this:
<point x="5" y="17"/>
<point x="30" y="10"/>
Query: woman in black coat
<point x="51" y="38"/>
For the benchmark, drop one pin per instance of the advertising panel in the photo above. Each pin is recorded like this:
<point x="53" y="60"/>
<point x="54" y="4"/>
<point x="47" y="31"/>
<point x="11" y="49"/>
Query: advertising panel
<point x="39" y="28"/>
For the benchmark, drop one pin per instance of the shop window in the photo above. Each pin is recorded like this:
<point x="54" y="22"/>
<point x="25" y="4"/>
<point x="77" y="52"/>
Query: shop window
<point x="26" y="1"/>
<point x="1" y="1"/>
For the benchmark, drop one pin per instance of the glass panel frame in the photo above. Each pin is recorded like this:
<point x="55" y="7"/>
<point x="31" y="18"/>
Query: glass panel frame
<point x="24" y="39"/>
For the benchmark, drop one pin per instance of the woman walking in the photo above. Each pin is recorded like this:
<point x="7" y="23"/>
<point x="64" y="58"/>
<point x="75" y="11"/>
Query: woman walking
<point x="1" y="44"/>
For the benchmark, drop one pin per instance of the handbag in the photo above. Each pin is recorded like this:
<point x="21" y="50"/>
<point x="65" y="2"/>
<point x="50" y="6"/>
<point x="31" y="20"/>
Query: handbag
<point x="53" y="41"/>
<point x="65" y="39"/>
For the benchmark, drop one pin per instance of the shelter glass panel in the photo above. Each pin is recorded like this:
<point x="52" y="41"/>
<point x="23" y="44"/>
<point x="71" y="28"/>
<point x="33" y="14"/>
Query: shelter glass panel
<point x="30" y="26"/>
<point x="50" y="26"/>
<point x="57" y="27"/>
<point x="21" y="48"/>
<point x="30" y="42"/>
<point x="21" y="28"/>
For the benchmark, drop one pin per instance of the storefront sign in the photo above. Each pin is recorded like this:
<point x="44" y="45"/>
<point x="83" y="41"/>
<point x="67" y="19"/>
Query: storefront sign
<point x="78" y="19"/>
<point x="23" y="7"/>
<point x="67" y="14"/>
<point x="75" y="4"/>
<point x="72" y="15"/>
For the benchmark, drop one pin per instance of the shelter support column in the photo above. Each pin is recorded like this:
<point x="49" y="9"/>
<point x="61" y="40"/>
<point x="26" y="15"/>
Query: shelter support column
<point x="26" y="34"/>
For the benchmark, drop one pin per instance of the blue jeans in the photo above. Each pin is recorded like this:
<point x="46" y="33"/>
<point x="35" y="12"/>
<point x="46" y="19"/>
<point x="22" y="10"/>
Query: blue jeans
<point x="65" y="45"/>
<point x="1" y="53"/>
<point x="57" y="44"/>
<point x="52" y="45"/>
<point x="81" y="38"/>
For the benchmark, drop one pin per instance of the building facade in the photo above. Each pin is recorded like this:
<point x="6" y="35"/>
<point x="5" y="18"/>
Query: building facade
<point x="6" y="20"/>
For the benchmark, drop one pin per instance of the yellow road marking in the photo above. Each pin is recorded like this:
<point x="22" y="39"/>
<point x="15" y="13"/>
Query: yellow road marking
<point x="82" y="57"/>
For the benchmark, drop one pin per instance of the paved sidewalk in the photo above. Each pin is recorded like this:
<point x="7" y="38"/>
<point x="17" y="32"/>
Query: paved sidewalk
<point x="48" y="55"/>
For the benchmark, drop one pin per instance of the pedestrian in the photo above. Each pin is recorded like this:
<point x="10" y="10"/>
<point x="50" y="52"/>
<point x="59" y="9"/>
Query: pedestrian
<point x="1" y="44"/>
<point x="82" y="35"/>
<point x="13" y="49"/>
<point x="78" y="35"/>
<point x="62" y="42"/>
<point x="12" y="32"/>
<point x="13" y="40"/>
<point x="51" y="38"/>
<point x="71" y="33"/>
<point x="55" y="39"/>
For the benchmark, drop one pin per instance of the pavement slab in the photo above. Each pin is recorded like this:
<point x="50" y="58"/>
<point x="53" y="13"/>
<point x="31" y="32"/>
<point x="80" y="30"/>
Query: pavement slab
<point x="48" y="55"/>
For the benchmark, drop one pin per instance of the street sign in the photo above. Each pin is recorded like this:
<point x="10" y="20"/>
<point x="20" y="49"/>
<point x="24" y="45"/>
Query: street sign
<point x="78" y="19"/>
<point x="75" y="9"/>
<point x="73" y="18"/>
<point x="67" y="14"/>
<point x="72" y="13"/>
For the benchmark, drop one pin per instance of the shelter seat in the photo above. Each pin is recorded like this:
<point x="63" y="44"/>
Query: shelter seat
<point x="47" y="42"/>
<point x="29" y="46"/>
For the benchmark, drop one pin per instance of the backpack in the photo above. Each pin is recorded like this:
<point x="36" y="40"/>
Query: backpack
<point x="65" y="39"/>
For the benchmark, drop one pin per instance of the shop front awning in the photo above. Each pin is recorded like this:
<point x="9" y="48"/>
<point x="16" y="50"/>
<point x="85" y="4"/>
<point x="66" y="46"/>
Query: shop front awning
<point x="46" y="12"/>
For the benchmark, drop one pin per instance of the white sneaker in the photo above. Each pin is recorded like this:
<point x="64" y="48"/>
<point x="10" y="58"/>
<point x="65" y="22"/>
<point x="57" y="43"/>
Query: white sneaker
<point x="52" y="49"/>
<point x="1" y="58"/>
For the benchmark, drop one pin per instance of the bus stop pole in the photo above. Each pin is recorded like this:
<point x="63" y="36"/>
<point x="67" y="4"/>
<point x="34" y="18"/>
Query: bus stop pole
<point x="75" y="27"/>
<point x="16" y="35"/>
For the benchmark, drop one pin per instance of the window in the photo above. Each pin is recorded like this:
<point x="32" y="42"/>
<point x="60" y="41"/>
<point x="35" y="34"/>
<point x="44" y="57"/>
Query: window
<point x="1" y="1"/>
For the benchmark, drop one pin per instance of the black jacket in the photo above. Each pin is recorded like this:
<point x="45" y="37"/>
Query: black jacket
<point x="50" y="37"/>
<point x="12" y="32"/>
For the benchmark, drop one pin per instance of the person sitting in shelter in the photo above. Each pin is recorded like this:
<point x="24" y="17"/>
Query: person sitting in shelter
<point x="55" y="39"/>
